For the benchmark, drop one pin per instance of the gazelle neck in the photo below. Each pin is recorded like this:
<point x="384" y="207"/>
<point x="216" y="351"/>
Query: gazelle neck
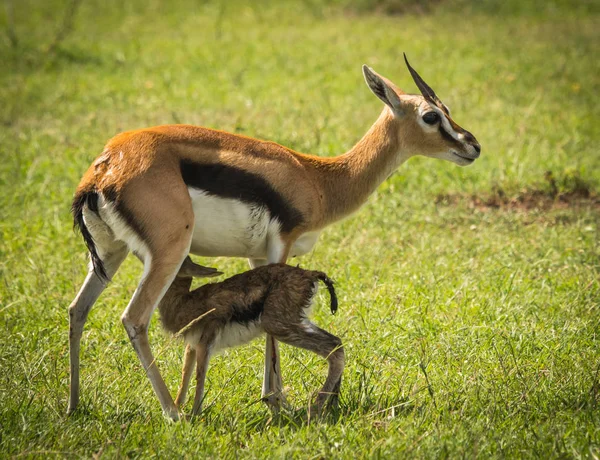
<point x="349" y="179"/>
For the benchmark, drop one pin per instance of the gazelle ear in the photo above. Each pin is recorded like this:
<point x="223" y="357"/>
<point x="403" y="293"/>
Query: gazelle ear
<point x="190" y="269"/>
<point x="383" y="89"/>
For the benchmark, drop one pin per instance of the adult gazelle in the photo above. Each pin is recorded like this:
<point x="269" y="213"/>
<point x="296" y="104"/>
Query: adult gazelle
<point x="167" y="191"/>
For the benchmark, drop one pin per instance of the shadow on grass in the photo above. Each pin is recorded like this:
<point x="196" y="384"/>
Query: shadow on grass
<point x="89" y="413"/>
<point x="291" y="418"/>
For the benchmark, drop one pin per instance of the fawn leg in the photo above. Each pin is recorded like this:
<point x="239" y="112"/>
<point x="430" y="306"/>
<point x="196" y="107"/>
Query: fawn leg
<point x="202" y="359"/>
<point x="313" y="338"/>
<point x="189" y="362"/>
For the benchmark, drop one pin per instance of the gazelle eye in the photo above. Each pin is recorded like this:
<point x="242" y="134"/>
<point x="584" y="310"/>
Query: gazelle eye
<point x="431" y="118"/>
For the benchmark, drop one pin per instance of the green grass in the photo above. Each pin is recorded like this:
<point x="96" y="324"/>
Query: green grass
<point x="469" y="332"/>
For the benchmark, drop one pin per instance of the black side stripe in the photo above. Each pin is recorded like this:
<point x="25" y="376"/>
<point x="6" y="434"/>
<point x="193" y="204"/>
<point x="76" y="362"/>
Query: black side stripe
<point x="230" y="182"/>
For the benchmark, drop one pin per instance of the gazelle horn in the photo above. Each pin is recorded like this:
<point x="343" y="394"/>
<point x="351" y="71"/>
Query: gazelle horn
<point x="425" y="89"/>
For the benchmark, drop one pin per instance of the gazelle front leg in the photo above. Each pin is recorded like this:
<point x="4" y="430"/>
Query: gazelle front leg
<point x="272" y="389"/>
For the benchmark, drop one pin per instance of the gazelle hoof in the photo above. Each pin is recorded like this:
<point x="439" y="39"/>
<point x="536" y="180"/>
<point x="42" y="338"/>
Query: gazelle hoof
<point x="173" y="416"/>
<point x="275" y="401"/>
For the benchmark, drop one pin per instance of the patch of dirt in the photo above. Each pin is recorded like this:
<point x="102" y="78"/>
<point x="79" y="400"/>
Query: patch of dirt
<point x="569" y="192"/>
<point x="527" y="200"/>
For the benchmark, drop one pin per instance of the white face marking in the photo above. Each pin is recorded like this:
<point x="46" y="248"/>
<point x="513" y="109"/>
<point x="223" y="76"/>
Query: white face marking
<point x="427" y="107"/>
<point x="448" y="154"/>
<point x="446" y="123"/>
<point x="229" y="227"/>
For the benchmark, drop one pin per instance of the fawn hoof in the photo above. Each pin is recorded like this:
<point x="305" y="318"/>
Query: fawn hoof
<point x="324" y="402"/>
<point x="314" y="412"/>
<point x="187" y="417"/>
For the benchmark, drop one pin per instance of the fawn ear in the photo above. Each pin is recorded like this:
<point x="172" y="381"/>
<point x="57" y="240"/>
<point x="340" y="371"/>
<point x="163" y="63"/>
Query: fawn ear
<point x="191" y="269"/>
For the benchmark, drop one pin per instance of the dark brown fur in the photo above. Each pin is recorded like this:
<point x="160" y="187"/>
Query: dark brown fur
<point x="241" y="298"/>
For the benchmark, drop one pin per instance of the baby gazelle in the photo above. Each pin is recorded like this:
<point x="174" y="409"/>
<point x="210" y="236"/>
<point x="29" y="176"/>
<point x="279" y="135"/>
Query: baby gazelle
<point x="273" y="299"/>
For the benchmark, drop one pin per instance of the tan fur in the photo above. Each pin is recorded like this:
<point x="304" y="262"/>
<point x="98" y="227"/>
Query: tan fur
<point x="323" y="190"/>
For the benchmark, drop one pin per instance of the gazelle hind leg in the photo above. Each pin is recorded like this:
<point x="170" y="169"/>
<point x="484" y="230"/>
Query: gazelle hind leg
<point x="189" y="363"/>
<point x="164" y="219"/>
<point x="79" y="309"/>
<point x="159" y="271"/>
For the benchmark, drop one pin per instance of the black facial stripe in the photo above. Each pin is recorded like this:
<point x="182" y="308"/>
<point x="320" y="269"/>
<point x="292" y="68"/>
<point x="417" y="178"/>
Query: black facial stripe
<point x="230" y="182"/>
<point x="448" y="137"/>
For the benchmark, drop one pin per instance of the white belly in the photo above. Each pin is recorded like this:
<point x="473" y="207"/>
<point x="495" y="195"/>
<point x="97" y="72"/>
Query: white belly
<point x="226" y="227"/>
<point x="232" y="335"/>
<point x="235" y="334"/>
<point x="229" y="227"/>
